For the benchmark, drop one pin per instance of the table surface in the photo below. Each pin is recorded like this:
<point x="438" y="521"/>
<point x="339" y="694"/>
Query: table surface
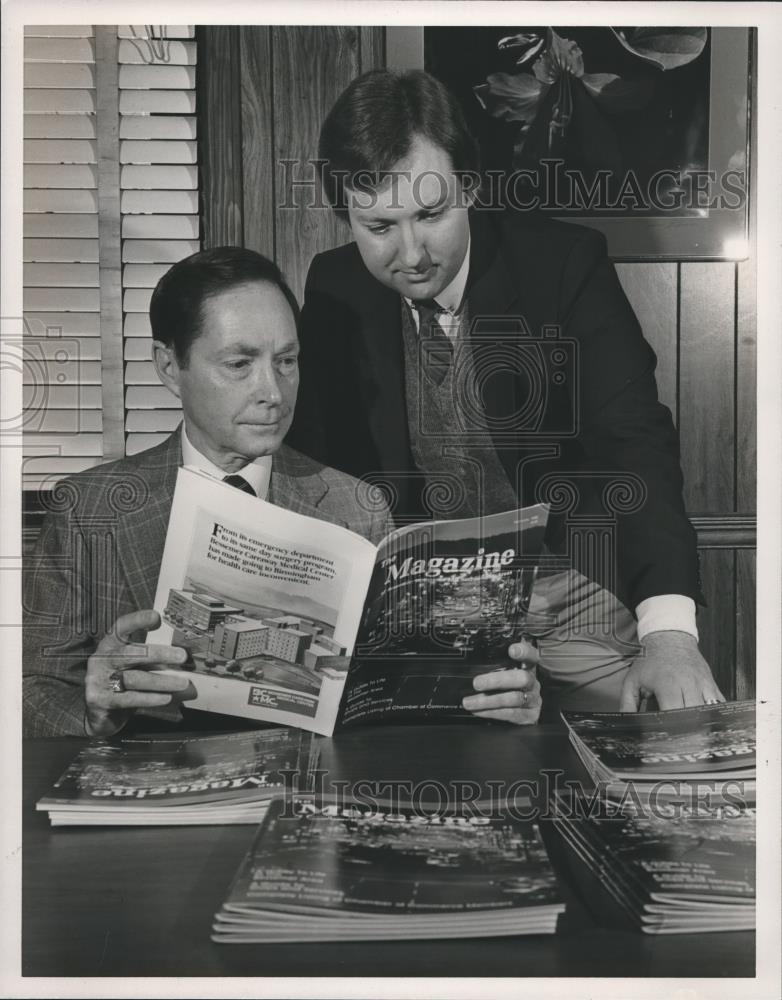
<point x="140" y="902"/>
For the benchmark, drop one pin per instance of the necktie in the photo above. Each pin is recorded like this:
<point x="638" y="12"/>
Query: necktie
<point x="240" y="483"/>
<point x="437" y="348"/>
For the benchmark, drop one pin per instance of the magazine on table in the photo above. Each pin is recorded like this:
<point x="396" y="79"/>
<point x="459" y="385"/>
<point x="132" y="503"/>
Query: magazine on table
<point x="355" y="872"/>
<point x="297" y="621"/>
<point x="181" y="778"/>
<point x="673" y="869"/>
<point x="667" y="752"/>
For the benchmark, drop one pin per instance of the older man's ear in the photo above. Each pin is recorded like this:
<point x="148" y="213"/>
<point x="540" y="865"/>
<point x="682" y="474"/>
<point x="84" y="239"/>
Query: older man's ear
<point x="166" y="365"/>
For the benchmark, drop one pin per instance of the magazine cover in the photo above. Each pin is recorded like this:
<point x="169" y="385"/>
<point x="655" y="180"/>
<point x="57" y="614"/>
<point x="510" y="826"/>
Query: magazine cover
<point x="185" y="770"/>
<point x="272" y="604"/>
<point x="446" y="601"/>
<point x="702" y="740"/>
<point x="703" y="854"/>
<point x="617" y="899"/>
<point x="347" y="861"/>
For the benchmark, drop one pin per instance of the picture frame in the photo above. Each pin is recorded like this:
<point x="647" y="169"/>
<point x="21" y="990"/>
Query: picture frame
<point x="707" y="231"/>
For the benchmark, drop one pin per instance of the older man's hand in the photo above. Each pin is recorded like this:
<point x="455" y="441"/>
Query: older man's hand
<point x="123" y="676"/>
<point x="511" y="694"/>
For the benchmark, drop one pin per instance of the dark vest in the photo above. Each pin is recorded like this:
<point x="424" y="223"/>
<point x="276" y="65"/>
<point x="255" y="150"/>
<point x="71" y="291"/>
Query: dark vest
<point x="449" y="438"/>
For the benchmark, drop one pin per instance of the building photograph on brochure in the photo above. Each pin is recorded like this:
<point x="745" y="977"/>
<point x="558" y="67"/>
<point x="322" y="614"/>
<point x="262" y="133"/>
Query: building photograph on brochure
<point x="234" y="627"/>
<point x="387" y="482"/>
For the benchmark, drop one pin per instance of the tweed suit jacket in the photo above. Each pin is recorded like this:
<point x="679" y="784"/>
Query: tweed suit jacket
<point x="98" y="557"/>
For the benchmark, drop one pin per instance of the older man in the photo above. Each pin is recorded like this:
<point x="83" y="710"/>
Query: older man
<point x="428" y="364"/>
<point x="225" y="343"/>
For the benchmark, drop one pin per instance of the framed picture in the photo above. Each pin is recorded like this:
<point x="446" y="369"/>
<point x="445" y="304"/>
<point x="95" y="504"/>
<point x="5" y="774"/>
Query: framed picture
<point x="641" y="133"/>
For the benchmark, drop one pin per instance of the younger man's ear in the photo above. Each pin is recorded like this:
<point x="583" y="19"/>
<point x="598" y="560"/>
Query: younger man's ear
<point x="166" y="365"/>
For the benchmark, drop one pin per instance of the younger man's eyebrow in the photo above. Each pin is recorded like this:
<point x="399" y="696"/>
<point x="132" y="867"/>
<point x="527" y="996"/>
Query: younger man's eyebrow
<point x="435" y="205"/>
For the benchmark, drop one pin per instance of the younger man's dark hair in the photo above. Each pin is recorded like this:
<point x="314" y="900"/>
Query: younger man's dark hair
<point x="175" y="310"/>
<point x="372" y="125"/>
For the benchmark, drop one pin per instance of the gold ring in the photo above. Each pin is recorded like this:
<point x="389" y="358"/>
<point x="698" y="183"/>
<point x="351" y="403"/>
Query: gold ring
<point x="118" y="685"/>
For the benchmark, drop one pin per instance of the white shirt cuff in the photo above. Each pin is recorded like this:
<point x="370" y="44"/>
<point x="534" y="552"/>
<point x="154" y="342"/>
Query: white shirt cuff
<point x="666" y="613"/>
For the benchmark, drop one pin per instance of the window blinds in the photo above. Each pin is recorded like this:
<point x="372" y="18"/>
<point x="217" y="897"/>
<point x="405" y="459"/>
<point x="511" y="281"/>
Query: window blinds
<point x="159" y="183"/>
<point x="64" y="393"/>
<point x="62" y="356"/>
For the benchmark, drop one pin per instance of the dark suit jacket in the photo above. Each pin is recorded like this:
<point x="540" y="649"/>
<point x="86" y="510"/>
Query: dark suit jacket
<point x="596" y="418"/>
<point x="98" y="557"/>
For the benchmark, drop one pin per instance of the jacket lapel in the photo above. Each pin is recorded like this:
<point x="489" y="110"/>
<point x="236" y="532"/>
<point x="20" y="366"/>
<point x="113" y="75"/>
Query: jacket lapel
<point x="380" y="367"/>
<point x="293" y="484"/>
<point x="496" y="314"/>
<point x="492" y="288"/>
<point x="148" y="492"/>
<point x="141" y="528"/>
<point x="493" y="299"/>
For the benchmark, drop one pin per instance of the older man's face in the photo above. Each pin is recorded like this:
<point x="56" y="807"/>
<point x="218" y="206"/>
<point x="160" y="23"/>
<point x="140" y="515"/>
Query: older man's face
<point x="239" y="385"/>
<point x="413" y="232"/>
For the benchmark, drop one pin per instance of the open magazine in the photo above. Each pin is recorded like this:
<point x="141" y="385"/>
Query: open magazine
<point x="300" y="622"/>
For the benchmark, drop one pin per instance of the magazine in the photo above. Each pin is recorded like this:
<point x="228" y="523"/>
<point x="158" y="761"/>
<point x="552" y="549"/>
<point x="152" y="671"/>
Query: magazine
<point x="352" y="872"/>
<point x="297" y="621"/>
<point x="181" y="779"/>
<point x="711" y="747"/>
<point x="671" y="870"/>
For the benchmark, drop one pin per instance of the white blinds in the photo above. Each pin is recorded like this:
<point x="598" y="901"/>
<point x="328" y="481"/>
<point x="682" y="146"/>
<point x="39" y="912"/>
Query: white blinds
<point x="62" y="356"/>
<point x="63" y="387"/>
<point x="159" y="182"/>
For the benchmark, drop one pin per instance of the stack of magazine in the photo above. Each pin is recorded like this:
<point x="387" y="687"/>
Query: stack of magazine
<point x="344" y="871"/>
<point x="181" y="779"/>
<point x="675" y="869"/>
<point x="709" y="749"/>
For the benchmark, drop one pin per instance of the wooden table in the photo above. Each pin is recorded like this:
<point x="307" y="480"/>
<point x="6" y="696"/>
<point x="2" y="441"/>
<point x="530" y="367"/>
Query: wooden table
<point x="139" y="902"/>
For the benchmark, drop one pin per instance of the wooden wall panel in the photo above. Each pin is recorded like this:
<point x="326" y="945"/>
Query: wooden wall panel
<point x="312" y="66"/>
<point x="258" y="163"/>
<point x="220" y="130"/>
<point x="746" y="386"/>
<point x="372" y="47"/>
<point x="651" y="289"/>
<point x="706" y="384"/>
<point x="745" y="669"/>
<point x="717" y="621"/>
<point x="264" y="92"/>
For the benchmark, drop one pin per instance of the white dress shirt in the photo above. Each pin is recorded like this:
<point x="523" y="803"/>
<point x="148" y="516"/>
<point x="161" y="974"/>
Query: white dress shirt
<point x="450" y="300"/>
<point x="662" y="613"/>
<point x="257" y="473"/>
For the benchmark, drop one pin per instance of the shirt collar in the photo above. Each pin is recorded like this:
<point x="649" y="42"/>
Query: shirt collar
<point x="257" y="473"/>
<point x="450" y="298"/>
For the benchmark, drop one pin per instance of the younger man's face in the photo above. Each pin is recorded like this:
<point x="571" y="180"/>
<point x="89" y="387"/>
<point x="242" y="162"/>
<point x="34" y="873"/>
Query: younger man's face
<point x="413" y="232"/>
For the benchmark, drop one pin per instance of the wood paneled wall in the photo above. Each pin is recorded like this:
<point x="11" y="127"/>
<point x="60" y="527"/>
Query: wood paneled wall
<point x="265" y="92"/>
